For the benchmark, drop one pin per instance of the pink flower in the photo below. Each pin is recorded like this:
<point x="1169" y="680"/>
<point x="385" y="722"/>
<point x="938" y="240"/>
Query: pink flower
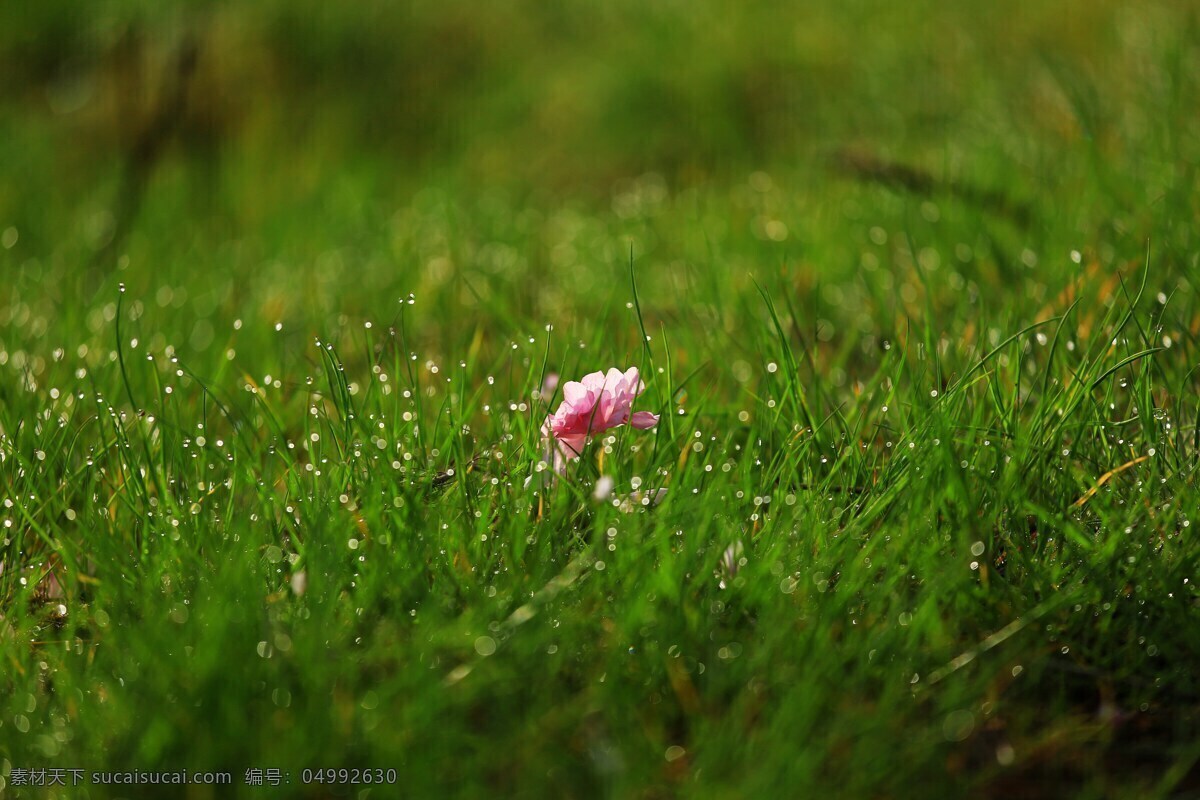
<point x="595" y="404"/>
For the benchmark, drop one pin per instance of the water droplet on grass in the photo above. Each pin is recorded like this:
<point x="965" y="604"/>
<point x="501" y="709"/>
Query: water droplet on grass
<point x="957" y="725"/>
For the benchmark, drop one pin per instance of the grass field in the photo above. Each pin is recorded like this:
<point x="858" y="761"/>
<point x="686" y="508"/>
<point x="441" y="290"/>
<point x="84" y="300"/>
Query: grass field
<point x="286" y="289"/>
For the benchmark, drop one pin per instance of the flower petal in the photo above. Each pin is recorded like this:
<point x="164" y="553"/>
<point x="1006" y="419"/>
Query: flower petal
<point x="572" y="445"/>
<point x="633" y="381"/>
<point x="643" y="420"/>
<point x="576" y="394"/>
<point x="594" y="381"/>
<point x="604" y="488"/>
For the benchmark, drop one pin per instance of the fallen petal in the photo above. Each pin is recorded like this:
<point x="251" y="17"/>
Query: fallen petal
<point x="604" y="488"/>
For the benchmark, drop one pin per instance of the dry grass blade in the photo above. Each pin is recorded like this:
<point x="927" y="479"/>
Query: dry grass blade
<point x="1105" y="478"/>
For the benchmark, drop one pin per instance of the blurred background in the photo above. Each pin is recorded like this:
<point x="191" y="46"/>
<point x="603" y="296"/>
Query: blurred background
<point x="308" y="160"/>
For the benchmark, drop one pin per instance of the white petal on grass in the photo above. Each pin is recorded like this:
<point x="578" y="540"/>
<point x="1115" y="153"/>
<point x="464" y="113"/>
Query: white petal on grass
<point x="604" y="488"/>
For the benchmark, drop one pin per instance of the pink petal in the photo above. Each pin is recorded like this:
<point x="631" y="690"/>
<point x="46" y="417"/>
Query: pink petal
<point x="576" y="394"/>
<point x="594" y="381"/>
<point x="572" y="445"/>
<point x="633" y="381"/>
<point x="608" y="403"/>
<point x="567" y="449"/>
<point x="643" y="420"/>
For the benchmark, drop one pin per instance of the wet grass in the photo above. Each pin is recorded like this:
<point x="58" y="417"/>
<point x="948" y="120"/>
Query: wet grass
<point x="271" y="492"/>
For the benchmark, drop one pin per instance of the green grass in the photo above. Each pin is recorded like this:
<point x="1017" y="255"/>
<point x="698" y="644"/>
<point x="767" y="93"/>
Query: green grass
<point x="925" y="349"/>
